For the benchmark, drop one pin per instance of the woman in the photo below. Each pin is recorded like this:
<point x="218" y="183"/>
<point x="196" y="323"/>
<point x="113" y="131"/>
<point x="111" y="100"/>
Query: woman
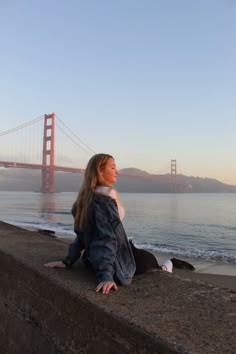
<point x="98" y="214"/>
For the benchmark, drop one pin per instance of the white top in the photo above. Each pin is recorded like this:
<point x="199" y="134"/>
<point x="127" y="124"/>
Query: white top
<point x="111" y="192"/>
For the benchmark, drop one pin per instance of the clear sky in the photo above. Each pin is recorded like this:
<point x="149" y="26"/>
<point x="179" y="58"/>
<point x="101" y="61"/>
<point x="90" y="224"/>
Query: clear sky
<point x="145" y="80"/>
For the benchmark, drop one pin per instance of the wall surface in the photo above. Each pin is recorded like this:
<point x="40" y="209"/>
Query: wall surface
<point x="57" y="311"/>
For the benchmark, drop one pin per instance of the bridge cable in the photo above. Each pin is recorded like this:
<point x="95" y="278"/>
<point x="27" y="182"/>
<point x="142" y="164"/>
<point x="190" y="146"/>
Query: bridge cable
<point x="21" y="126"/>
<point x="72" y="139"/>
<point x="75" y="136"/>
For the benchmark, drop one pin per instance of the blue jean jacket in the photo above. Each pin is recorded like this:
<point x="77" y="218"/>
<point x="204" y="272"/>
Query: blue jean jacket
<point x="106" y="246"/>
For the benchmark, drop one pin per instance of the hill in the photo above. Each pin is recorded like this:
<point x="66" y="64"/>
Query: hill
<point x="130" y="180"/>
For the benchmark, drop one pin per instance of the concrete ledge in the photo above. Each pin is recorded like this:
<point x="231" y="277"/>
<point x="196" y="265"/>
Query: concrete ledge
<point x="57" y="311"/>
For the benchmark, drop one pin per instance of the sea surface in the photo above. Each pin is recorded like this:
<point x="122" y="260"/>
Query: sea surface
<point x="198" y="226"/>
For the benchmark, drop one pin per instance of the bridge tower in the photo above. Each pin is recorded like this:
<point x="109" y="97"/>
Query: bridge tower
<point x="48" y="154"/>
<point x="173" y="176"/>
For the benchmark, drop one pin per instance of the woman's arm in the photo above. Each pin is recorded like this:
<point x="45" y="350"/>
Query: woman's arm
<point x="73" y="255"/>
<point x="102" y="249"/>
<point x="74" y="252"/>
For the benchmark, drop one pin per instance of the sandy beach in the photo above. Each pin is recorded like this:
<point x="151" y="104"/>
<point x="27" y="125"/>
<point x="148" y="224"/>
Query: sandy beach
<point x="216" y="274"/>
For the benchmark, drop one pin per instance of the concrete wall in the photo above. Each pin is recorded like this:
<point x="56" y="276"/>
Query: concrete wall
<point x="57" y="311"/>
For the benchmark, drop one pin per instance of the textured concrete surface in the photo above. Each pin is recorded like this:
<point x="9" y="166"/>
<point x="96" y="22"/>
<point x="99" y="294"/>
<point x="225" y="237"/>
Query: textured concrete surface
<point x="57" y="311"/>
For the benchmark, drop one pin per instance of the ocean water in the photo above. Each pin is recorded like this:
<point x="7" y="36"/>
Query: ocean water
<point x="198" y="226"/>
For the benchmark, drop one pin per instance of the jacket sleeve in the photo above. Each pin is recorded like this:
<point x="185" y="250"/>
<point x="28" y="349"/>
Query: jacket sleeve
<point x="76" y="246"/>
<point x="74" y="251"/>
<point x="103" y="246"/>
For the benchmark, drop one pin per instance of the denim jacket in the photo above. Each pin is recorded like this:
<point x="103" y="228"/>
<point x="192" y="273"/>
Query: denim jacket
<point x="106" y="247"/>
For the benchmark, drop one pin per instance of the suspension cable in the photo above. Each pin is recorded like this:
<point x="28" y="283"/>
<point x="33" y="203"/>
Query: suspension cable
<point x="91" y="150"/>
<point x="21" y="126"/>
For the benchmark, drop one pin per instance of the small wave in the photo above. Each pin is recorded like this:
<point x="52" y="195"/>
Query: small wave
<point x="59" y="229"/>
<point x="54" y="212"/>
<point x="225" y="227"/>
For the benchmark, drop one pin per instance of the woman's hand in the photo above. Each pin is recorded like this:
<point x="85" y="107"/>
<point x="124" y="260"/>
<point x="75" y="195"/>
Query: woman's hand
<point x="106" y="286"/>
<point x="57" y="264"/>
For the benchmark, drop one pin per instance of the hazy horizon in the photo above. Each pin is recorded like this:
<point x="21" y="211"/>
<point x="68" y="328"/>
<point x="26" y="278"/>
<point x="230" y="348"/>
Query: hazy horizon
<point x="29" y="177"/>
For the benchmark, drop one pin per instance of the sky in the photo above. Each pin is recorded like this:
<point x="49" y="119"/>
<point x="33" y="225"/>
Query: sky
<point x="146" y="81"/>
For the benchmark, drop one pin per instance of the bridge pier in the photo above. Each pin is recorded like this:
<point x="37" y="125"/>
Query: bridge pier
<point x="173" y="176"/>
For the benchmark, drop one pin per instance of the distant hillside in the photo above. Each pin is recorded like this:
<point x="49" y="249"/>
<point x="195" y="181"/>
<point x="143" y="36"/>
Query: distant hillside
<point x="30" y="180"/>
<point x="134" y="171"/>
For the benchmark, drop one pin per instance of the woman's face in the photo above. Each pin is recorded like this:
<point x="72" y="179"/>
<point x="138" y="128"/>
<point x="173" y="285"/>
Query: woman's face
<point x="109" y="173"/>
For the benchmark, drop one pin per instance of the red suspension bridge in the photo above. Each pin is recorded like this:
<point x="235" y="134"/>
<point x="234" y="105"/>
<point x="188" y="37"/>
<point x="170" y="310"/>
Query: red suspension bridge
<point x="23" y="147"/>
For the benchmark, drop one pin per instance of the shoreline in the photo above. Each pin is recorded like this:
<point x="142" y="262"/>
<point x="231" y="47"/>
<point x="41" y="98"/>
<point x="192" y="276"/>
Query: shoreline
<point x="216" y="274"/>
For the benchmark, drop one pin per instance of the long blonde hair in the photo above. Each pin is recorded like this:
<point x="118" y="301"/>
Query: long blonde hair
<point x="92" y="179"/>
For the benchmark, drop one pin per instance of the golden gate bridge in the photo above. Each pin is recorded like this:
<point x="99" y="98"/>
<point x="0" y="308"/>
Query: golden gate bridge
<point x="23" y="147"/>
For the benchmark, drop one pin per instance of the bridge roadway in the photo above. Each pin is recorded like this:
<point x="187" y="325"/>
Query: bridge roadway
<point x="10" y="164"/>
<point x="57" y="311"/>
